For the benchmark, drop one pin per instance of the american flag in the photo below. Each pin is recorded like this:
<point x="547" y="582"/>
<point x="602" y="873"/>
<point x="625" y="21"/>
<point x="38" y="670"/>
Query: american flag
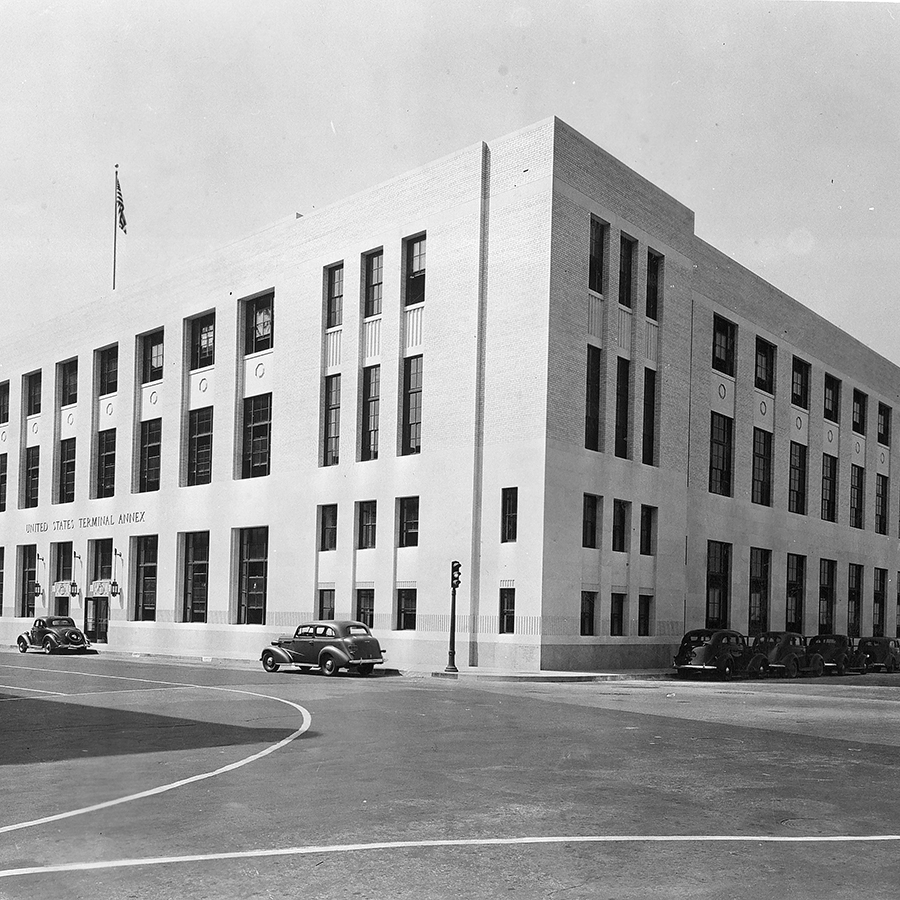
<point x="120" y="205"/>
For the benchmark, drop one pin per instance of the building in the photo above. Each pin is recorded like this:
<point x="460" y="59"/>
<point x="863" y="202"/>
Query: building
<point x="618" y="431"/>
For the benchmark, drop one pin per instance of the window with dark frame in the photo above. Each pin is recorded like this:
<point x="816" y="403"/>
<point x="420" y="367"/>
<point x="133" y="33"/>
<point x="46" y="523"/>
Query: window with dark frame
<point x="152" y="357"/>
<point x="626" y="270"/>
<point x="648" y="435"/>
<point x="328" y="527"/>
<point x="257" y="437"/>
<point x="761" y="485"/>
<point x="106" y="463"/>
<point x="832" y="407"/>
<point x="412" y="406"/>
<point x="588" y="613"/>
<point x="854" y="599"/>
<point x="107" y="371"/>
<point x="203" y="341"/>
<point x="765" y="366"/>
<point x="332" y="431"/>
<point x="372" y="286"/>
<point x="592" y="399"/>
<point x="718" y="584"/>
<point x="721" y="454"/>
<point x="65" y="492"/>
<point x="199" y="448"/>
<point x="507" y="610"/>
<point x="879" y="595"/>
<point x="32" y="477"/>
<point x="796" y="592"/>
<point x="654" y="264"/>
<point x="617" y="615"/>
<point x="827" y="569"/>
<point x="623" y="373"/>
<point x="146" y="550"/>
<point x="3" y="480"/>
<point x="621" y="510"/>
<point x="196" y="576"/>
<point x="649" y="516"/>
<point x="365" y="606"/>
<point x="590" y="531"/>
<point x="409" y="522"/>
<point x="366" y="524"/>
<point x="760" y="561"/>
<point x="415" y="271"/>
<point x="860" y="404"/>
<point x="371" y="402"/>
<point x="28" y="580"/>
<point x="334" y="296"/>
<point x="61" y="554"/>
<point x="253" y="571"/>
<point x="723" y="345"/>
<point x="595" y="257"/>
<point x="102" y="559"/>
<point x="797" y="481"/>
<point x="800" y="383"/>
<point x="150" y="455"/>
<point x="645" y="615"/>
<point x="33" y="394"/>
<point x="884" y="424"/>
<point x="259" y="324"/>
<point x="68" y="382"/>
<point x="406" y="609"/>
<point x="857" y="496"/>
<point x="882" y="493"/>
<point x="829" y="487"/>
<point x="326" y="603"/>
<point x="509" y="514"/>
<point x="4" y="403"/>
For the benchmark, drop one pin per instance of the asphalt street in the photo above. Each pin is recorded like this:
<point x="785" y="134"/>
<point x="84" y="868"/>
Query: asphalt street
<point x="141" y="779"/>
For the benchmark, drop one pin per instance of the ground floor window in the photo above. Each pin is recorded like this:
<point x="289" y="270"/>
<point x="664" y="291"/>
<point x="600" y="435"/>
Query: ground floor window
<point x="759" y="591"/>
<point x="827" y="569"/>
<point x="326" y="603"/>
<point x="645" y="615"/>
<point x="878" y="600"/>
<point x="27" y="580"/>
<point x="854" y="599"/>
<point x="796" y="588"/>
<point x="617" y="615"/>
<point x="146" y="551"/>
<point x="196" y="575"/>
<point x="365" y="606"/>
<point x="406" y="609"/>
<point x="507" y="610"/>
<point x="718" y="583"/>
<point x="253" y="568"/>
<point x="588" y="612"/>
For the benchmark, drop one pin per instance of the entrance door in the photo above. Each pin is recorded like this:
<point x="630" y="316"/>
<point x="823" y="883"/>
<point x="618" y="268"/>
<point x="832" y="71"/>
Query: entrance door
<point x="96" y="619"/>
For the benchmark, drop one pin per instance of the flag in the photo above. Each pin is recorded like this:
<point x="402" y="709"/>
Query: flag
<point x="120" y="205"/>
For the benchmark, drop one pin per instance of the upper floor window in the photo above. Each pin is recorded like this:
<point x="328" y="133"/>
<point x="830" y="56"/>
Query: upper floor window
<point x="152" y="357"/>
<point x="328" y="527"/>
<point x="832" y="410"/>
<point x="368" y="512"/>
<point x="509" y="513"/>
<point x="203" y="341"/>
<point x="765" y="366"/>
<point x="409" y="522"/>
<point x="256" y="456"/>
<point x="334" y="298"/>
<point x="723" y="345"/>
<point x="595" y="260"/>
<point x="884" y="424"/>
<point x="415" y="270"/>
<point x="374" y="277"/>
<point x="654" y="268"/>
<point x="800" y="383"/>
<point x="33" y="394"/>
<point x="107" y="371"/>
<point x="259" y="323"/>
<point x="68" y="382"/>
<point x="4" y="403"/>
<point x="412" y="406"/>
<point x="626" y="270"/>
<point x="860" y="403"/>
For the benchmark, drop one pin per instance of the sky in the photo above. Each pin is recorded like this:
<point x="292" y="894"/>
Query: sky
<point x="777" y="123"/>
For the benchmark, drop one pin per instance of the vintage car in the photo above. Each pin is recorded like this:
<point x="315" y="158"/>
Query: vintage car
<point x="718" y="652"/>
<point x="881" y="653"/>
<point x="839" y="653"/>
<point x="787" y="654"/>
<point x="328" y="645"/>
<point x="52" y="633"/>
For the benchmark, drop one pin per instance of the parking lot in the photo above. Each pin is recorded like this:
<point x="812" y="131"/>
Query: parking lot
<point x="136" y="779"/>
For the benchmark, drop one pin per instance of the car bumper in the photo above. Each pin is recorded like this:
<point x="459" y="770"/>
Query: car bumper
<point x="364" y="662"/>
<point x="696" y="667"/>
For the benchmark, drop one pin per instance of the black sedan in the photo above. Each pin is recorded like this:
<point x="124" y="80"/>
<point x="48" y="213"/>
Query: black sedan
<point x="328" y="645"/>
<point x="839" y="653"/>
<point x="53" y="633"/>
<point x="881" y="653"/>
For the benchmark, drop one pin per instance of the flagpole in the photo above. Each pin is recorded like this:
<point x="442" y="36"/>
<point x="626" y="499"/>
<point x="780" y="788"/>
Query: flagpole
<point x="115" y="222"/>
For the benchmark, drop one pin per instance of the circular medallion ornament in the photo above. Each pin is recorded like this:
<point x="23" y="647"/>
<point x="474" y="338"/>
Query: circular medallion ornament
<point x="830" y="435"/>
<point x="34" y="427"/>
<point x="203" y="385"/>
<point x="882" y="455"/>
<point x="70" y="419"/>
<point x="154" y="398"/>
<point x="799" y="423"/>
<point x="722" y="391"/>
<point x="260" y="370"/>
<point x="857" y="446"/>
<point x="109" y="409"/>
<point x="762" y="407"/>
<point x="3" y="436"/>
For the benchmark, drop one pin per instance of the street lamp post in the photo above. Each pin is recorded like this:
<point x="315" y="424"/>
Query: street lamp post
<point x="454" y="584"/>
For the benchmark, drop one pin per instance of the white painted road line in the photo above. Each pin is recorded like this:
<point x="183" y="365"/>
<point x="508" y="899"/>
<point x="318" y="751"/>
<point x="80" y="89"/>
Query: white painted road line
<point x="11" y="687"/>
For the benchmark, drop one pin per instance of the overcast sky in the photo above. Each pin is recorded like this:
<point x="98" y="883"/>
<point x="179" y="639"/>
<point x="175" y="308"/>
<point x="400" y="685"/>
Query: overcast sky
<point x="777" y="123"/>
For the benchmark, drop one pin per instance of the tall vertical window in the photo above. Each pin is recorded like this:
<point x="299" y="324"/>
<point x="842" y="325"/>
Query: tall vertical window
<point x="829" y="487"/>
<point x="334" y="296"/>
<point x="196" y="576"/>
<point x="832" y="408"/>
<point x="145" y="578"/>
<point x="256" y="456"/>
<point x="406" y="609"/>
<point x="857" y="496"/>
<point x="592" y="399"/>
<point x="61" y="554"/>
<point x="326" y="603"/>
<point x="259" y="324"/>
<point x="723" y="345"/>
<point x="107" y="371"/>
<point x="106" y="463"/>
<point x="881" y="503"/>
<point x="3" y="479"/>
<point x="620" y="525"/>
<point x="27" y="580"/>
<point x="365" y="606"/>
<point x="648" y="530"/>
<point x="645" y="615"/>
<point x="509" y="515"/>
<point x="854" y="599"/>
<point x="654" y="266"/>
<point x="152" y="357"/>
<point x="415" y="270"/>
<point x="718" y="583"/>
<point x="151" y="451"/>
<point x="68" y="382"/>
<point x="589" y="612"/>
<point x="409" y="522"/>
<point x="761" y="489"/>
<point x="412" y="406"/>
<point x="759" y="591"/>
<point x="2" y="572"/>
<point x="253" y="570"/>
<point x="884" y="424"/>
<point x="796" y="592"/>
<point x="374" y="276"/>
<point x="617" y="615"/>
<point x="33" y="394"/>
<point x="590" y="519"/>
<point x="507" y="610"/>
<point x="368" y="512"/>
<point x="765" y="366"/>
<point x="66" y="485"/>
<point x="860" y="405"/>
<point x="827" y="568"/>
<point x="371" y="401"/>
<point x="328" y="526"/>
<point x="203" y="341"/>
<point x="648" y="449"/>
<point x="878" y="600"/>
<point x="721" y="454"/>
<point x="800" y="383"/>
<point x="102" y="560"/>
<point x="32" y="476"/>
<point x="595" y="259"/>
<point x="623" y="371"/>
<point x="4" y="403"/>
<point x="199" y="447"/>
<point x="626" y="270"/>
<point x="332" y="434"/>
<point x="797" y="479"/>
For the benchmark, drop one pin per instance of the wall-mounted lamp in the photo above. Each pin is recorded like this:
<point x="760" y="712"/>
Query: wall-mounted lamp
<point x="73" y="588"/>
<point x="38" y="590"/>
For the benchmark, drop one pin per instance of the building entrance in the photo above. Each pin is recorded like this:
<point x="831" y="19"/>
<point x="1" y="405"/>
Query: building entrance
<point x="96" y="619"/>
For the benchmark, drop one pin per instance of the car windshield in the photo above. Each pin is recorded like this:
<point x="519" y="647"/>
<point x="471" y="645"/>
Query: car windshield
<point x="60" y="621"/>
<point x="823" y="642"/>
<point x="357" y="630"/>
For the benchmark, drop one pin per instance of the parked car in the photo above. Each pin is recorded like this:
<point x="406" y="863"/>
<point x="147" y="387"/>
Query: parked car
<point x="719" y="652"/>
<point x="839" y="653"/>
<point x="52" y="633"/>
<point x="787" y="653"/>
<point x="327" y="645"/>
<point x="881" y="653"/>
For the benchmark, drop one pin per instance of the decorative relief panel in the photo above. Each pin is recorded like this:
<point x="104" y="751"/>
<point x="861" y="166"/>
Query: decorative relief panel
<point x="883" y="460"/>
<point x="332" y="348"/>
<point x="151" y="401"/>
<point x="33" y="431"/>
<point x="763" y="411"/>
<point x="651" y="341"/>
<point x="202" y="388"/>
<point x="372" y="338"/>
<point x="721" y="394"/>
<point x="258" y="373"/>
<point x="412" y="327"/>
<point x="831" y="438"/>
<point x="623" y="334"/>
<point x="595" y="316"/>
<point x="68" y="422"/>
<point x="799" y="426"/>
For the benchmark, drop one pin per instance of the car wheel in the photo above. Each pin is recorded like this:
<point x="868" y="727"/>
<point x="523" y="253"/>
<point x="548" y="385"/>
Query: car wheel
<point x="757" y="667"/>
<point x="23" y="645"/>
<point x="328" y="665"/>
<point x="48" y="646"/>
<point x="840" y="666"/>
<point x="818" y="667"/>
<point x="792" y="670"/>
<point x="366" y="668"/>
<point x="726" y="670"/>
<point x="891" y="667"/>
<point x="269" y="663"/>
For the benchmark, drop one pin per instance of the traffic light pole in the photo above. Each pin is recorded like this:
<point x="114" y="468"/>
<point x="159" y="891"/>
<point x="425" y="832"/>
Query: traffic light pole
<point x="451" y="653"/>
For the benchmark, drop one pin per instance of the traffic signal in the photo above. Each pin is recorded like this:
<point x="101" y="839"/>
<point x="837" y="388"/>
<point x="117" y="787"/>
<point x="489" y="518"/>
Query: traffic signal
<point x="454" y="574"/>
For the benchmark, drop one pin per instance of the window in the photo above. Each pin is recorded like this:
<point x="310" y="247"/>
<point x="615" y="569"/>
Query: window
<point x="761" y="489"/>
<point x="151" y="449"/>
<point x="367" y="511"/>
<point x="371" y="400"/>
<point x="648" y="448"/>
<point x="765" y="366"/>
<point x="720" y="454"/>
<point x="2" y="573"/>
<point x="196" y="576"/>
<point x="259" y="324"/>
<point x="256" y="457"/>
<point x="203" y="341"/>
<point x="797" y="479"/>
<point x="27" y="580"/>
<point x="854" y="599"/>
<point x="857" y="496"/>
<point x="328" y="527"/>
<point x="592" y="399"/>
<point x="145" y="578"/>
<point x="334" y="296"/>
<point x="374" y="267"/>
<point x="590" y="532"/>
<point x="412" y="406"/>
<point x="326" y="603"/>
<point x="509" y="513"/>
<point x="253" y="568"/>
<point x="621" y="510"/>
<point x="654" y="265"/>
<point x="3" y="477"/>
<point x="595" y="259"/>
<point x="365" y="606"/>
<point x="107" y="371"/>
<point x="832" y="410"/>
<point x="406" y="609"/>
<point x="199" y="448"/>
<point x="829" y="487"/>
<point x="645" y="614"/>
<point x="884" y="424"/>
<point x="68" y="382"/>
<point x="827" y="568"/>
<point x="796" y="592"/>
<point x="588" y="612"/>
<point x="152" y="357"/>
<point x="759" y="591"/>
<point x="106" y="463"/>
<point x="61" y="556"/>
<point x="800" y="383"/>
<point x="332" y="435"/>
<point x="723" y="345"/>
<point x="648" y="530"/>
<point x="507" y="610"/>
<point x="4" y="403"/>
<point x="718" y="584"/>
<point x="881" y="503"/>
<point x="66" y="483"/>
<point x="860" y="403"/>
<point x="617" y="615"/>
<point x="32" y="477"/>
<point x="409" y="522"/>
<point x="878" y="600"/>
<point x="33" y="394"/>
<point x="626" y="270"/>
<point x="102" y="560"/>
<point x="415" y="270"/>
<point x="623" y="370"/>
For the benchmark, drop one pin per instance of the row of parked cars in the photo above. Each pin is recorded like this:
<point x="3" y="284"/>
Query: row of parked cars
<point x="726" y="654"/>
